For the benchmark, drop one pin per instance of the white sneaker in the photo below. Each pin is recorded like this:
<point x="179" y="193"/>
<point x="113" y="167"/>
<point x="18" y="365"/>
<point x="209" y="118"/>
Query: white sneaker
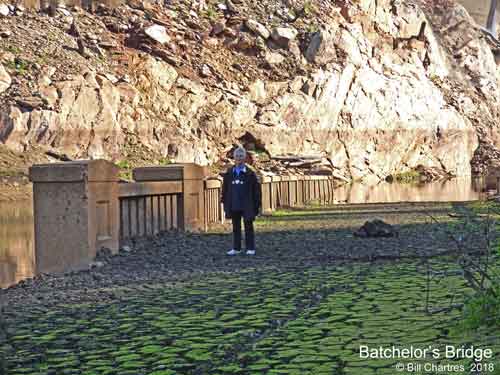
<point x="250" y="252"/>
<point x="233" y="252"/>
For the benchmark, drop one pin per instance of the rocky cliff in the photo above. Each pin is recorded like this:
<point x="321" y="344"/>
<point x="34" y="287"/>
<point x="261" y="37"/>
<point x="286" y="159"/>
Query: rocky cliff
<point x="374" y="87"/>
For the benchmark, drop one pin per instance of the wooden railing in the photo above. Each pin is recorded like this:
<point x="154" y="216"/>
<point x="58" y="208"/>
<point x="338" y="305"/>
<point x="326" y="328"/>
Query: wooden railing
<point x="214" y="210"/>
<point x="295" y="191"/>
<point x="277" y="192"/>
<point x="148" y="208"/>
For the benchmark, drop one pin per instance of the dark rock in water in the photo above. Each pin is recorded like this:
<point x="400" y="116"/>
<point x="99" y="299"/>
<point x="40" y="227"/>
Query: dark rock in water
<point x="376" y="228"/>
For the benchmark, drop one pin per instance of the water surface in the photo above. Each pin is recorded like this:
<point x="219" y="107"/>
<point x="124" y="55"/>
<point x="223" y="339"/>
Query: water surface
<point x="454" y="190"/>
<point x="16" y="242"/>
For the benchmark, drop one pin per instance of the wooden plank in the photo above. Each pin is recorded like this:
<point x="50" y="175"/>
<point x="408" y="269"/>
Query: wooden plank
<point x="295" y="185"/>
<point x="208" y="205"/>
<point x="322" y="191"/>
<point x="147" y="218"/>
<point x="212" y="206"/>
<point x="161" y="213"/>
<point x="154" y="214"/>
<point x="140" y="216"/>
<point x="133" y="217"/>
<point x="121" y="220"/>
<point x="124" y="218"/>
<point x="178" y="211"/>
<point x="168" y="211"/>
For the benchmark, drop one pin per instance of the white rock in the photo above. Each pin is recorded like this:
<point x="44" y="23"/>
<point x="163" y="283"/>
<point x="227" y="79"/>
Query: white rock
<point x="96" y="264"/>
<point x="49" y="71"/>
<point x="4" y="10"/>
<point x="49" y="95"/>
<point x="64" y="11"/>
<point x="205" y="70"/>
<point x="44" y="81"/>
<point x="112" y="78"/>
<point x="257" y="91"/>
<point x="258" y="28"/>
<point x="5" y="79"/>
<point x="283" y="35"/>
<point x="157" y="33"/>
<point x="274" y="58"/>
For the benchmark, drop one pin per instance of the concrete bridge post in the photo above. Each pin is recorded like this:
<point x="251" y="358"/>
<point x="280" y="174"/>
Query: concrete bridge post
<point x="75" y="212"/>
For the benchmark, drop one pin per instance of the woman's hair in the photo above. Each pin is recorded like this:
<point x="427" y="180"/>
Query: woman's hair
<point x="239" y="153"/>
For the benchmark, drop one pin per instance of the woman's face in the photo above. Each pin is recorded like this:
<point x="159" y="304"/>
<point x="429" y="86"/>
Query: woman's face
<point x="239" y="159"/>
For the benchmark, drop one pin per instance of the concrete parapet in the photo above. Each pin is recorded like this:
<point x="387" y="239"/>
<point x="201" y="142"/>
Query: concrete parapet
<point x="192" y="177"/>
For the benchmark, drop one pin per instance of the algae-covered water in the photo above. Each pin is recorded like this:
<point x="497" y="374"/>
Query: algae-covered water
<point x="262" y="321"/>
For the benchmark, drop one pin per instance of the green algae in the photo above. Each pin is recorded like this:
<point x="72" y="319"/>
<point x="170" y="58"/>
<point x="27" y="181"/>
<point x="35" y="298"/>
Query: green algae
<point x="269" y="323"/>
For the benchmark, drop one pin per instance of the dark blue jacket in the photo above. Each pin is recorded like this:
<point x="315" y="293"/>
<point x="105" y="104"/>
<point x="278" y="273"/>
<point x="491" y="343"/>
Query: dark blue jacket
<point x="250" y="193"/>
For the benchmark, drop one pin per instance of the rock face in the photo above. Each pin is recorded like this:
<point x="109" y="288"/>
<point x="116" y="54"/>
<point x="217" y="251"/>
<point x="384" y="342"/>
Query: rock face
<point x="5" y="79"/>
<point x="374" y="89"/>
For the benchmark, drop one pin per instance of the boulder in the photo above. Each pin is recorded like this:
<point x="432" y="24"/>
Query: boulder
<point x="274" y="58"/>
<point x="244" y="42"/>
<point x="217" y="28"/>
<point x="4" y="10"/>
<point x="321" y="48"/>
<point x="158" y="33"/>
<point x="283" y="35"/>
<point x="258" y="28"/>
<point x="376" y="228"/>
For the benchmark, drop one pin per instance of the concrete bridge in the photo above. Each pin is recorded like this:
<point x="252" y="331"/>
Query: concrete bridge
<point x="81" y="207"/>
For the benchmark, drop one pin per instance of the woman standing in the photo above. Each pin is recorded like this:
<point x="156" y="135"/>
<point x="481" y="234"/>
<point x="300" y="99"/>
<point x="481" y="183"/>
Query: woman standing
<point x="241" y="196"/>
